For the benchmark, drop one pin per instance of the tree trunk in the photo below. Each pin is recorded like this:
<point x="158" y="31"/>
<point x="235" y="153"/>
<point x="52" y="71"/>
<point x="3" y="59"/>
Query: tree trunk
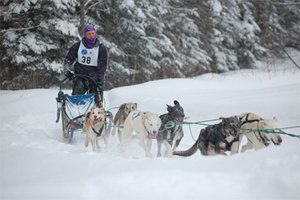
<point x="82" y="16"/>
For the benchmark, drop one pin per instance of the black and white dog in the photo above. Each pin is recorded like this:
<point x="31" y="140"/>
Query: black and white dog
<point x="170" y="136"/>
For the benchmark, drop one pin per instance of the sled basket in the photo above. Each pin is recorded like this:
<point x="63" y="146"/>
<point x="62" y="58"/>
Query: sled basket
<point x="78" y="105"/>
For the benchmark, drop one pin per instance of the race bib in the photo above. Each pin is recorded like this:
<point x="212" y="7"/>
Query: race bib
<point x="88" y="56"/>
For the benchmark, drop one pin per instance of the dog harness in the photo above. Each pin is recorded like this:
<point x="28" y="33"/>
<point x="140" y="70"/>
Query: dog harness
<point x="100" y="131"/>
<point x="136" y="114"/>
<point x="258" y="134"/>
<point x="261" y="137"/>
<point x="249" y="121"/>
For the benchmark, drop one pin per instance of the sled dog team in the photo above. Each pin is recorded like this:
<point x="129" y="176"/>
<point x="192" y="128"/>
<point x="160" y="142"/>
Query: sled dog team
<point x="130" y="123"/>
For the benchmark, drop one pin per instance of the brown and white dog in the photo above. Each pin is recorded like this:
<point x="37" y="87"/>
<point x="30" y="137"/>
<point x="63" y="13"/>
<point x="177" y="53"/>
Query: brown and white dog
<point x="120" y="117"/>
<point x="94" y="126"/>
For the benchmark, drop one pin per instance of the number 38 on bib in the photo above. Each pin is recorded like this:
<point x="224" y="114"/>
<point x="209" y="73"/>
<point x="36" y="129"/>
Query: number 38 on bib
<point x="88" y="56"/>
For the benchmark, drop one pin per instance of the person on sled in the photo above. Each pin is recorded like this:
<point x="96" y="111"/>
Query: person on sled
<point x="88" y="57"/>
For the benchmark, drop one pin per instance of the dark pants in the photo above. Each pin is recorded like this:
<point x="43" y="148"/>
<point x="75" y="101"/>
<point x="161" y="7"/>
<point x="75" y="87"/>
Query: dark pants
<point x="82" y="86"/>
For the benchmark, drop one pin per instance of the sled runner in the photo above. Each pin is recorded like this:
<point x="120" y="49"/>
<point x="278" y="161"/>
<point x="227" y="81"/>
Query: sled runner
<point x="73" y="108"/>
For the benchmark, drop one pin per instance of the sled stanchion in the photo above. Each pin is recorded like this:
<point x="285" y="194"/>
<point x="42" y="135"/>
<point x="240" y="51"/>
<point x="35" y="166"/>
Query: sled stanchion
<point x="58" y="115"/>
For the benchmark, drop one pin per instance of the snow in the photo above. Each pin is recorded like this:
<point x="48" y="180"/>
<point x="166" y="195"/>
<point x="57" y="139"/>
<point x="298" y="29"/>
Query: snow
<point x="36" y="163"/>
<point x="216" y="7"/>
<point x="30" y="42"/>
<point x="65" y="27"/>
<point x="20" y="59"/>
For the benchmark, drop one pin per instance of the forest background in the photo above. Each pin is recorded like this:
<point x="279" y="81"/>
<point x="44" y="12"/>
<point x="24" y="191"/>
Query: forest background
<point x="147" y="39"/>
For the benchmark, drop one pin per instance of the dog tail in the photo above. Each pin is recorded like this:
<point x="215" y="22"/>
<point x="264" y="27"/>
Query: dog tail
<point x="188" y="152"/>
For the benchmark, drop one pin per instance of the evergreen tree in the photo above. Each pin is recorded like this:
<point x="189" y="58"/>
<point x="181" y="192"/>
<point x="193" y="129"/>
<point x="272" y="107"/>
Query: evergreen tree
<point x="147" y="39"/>
<point x="34" y="36"/>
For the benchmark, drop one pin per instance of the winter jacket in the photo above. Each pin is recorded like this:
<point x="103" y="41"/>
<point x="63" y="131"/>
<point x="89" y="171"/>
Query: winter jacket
<point x="94" y="72"/>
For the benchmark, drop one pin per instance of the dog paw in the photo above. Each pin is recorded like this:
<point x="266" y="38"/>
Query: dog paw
<point x="86" y="144"/>
<point x="149" y="155"/>
<point x="168" y="154"/>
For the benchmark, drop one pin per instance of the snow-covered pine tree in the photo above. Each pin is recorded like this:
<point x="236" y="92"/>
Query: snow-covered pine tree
<point x="151" y="40"/>
<point x="279" y="22"/>
<point x="148" y="39"/>
<point x="34" y="38"/>
<point x="235" y="42"/>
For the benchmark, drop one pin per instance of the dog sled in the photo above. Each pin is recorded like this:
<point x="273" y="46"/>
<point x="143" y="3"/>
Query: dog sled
<point x="72" y="109"/>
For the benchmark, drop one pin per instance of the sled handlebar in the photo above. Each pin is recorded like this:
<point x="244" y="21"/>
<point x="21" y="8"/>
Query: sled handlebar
<point x="77" y="76"/>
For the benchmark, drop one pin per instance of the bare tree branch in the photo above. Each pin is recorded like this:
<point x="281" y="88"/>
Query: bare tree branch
<point x="290" y="3"/>
<point x="18" y="29"/>
<point x="93" y="4"/>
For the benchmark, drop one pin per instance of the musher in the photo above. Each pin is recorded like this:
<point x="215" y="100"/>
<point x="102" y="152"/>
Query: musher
<point x="88" y="57"/>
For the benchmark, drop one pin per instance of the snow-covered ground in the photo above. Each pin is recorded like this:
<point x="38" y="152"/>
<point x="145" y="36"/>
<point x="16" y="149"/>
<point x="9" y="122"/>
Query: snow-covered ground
<point x="36" y="163"/>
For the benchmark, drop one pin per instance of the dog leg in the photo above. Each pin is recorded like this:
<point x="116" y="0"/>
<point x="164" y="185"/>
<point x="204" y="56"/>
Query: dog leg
<point x="97" y="144"/>
<point x="176" y="144"/>
<point x="158" y="148"/>
<point x="120" y="135"/>
<point x="247" y="146"/>
<point x="209" y="150"/>
<point x="145" y="146"/>
<point x="253" y="142"/>
<point x="105" y="139"/>
<point x="234" y="148"/>
<point x="148" y="148"/>
<point x="86" y="141"/>
<point x="114" y="130"/>
<point x="93" y="145"/>
<point x="168" y="152"/>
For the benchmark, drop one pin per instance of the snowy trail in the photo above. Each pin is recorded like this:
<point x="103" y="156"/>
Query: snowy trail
<point x="37" y="164"/>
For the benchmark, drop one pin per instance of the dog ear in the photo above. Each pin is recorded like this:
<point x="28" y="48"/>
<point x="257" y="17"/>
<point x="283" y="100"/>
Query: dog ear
<point x="176" y="103"/>
<point x="102" y="110"/>
<point x="88" y="115"/>
<point x="122" y="106"/>
<point x="262" y="124"/>
<point x="169" y="108"/>
<point x="223" y="119"/>
<point x="135" y="105"/>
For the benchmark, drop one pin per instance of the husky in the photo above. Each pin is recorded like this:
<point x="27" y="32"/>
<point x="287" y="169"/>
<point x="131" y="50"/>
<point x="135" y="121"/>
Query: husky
<point x="120" y="117"/>
<point x="215" y="139"/>
<point x="172" y="136"/>
<point x="145" y="125"/>
<point x="93" y="127"/>
<point x="251" y="123"/>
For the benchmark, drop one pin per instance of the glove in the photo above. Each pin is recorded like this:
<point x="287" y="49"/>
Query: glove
<point x="69" y="75"/>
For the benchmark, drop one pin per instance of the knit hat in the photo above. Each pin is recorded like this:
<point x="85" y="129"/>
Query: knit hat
<point x="87" y="28"/>
<point x="89" y="42"/>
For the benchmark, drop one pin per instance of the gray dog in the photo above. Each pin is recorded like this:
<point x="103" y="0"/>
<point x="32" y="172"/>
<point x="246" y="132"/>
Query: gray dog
<point x="170" y="136"/>
<point x="215" y="139"/>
